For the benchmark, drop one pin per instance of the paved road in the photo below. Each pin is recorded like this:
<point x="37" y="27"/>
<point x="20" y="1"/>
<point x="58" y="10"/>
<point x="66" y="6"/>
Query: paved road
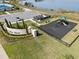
<point x="22" y="15"/>
<point x="3" y="54"/>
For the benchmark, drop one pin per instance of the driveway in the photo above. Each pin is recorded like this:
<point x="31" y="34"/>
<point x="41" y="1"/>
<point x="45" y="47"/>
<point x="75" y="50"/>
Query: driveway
<point x="22" y="15"/>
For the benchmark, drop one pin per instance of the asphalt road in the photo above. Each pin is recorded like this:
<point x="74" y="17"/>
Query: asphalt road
<point x="22" y="15"/>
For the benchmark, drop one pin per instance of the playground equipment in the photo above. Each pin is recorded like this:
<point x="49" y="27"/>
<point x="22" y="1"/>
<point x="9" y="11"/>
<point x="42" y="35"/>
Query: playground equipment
<point x="62" y="20"/>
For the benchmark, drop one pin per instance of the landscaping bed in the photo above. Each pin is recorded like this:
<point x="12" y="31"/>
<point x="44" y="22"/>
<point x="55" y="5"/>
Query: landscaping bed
<point x="44" y="21"/>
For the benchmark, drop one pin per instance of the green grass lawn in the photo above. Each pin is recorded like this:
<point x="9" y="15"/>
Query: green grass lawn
<point x="1" y="12"/>
<point x="21" y="24"/>
<point x="42" y="47"/>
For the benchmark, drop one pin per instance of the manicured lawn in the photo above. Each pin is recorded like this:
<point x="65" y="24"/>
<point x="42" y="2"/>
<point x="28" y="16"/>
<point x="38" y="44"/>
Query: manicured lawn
<point x="2" y="13"/>
<point x="21" y="24"/>
<point x="42" y="47"/>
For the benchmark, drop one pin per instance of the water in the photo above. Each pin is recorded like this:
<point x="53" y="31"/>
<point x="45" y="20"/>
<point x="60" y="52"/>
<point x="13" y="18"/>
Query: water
<point x="4" y="6"/>
<point x="56" y="4"/>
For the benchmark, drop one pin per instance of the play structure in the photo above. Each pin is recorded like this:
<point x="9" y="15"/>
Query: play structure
<point x="63" y="20"/>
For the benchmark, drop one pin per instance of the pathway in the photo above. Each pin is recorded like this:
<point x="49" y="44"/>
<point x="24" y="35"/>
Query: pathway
<point x="3" y="54"/>
<point x="26" y="9"/>
<point x="7" y="13"/>
<point x="22" y="15"/>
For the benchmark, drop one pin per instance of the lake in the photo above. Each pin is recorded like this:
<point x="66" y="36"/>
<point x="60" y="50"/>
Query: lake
<point x="56" y="4"/>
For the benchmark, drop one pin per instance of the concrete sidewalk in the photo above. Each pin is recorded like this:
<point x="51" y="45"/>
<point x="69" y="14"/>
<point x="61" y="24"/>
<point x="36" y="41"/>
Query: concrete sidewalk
<point x="3" y="54"/>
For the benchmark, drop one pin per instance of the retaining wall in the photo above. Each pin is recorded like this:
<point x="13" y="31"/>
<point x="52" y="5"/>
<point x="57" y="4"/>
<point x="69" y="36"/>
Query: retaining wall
<point x="16" y="31"/>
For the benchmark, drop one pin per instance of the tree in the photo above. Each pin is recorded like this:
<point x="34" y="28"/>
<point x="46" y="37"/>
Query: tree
<point x="16" y="3"/>
<point x="18" y="26"/>
<point x="10" y="24"/>
<point x="7" y="23"/>
<point x="26" y="3"/>
<point x="23" y="23"/>
<point x="26" y="28"/>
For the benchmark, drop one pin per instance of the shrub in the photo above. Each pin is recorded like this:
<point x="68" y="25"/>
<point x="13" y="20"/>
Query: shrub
<point x="69" y="57"/>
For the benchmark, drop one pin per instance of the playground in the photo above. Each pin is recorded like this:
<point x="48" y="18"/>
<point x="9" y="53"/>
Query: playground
<point x="61" y="29"/>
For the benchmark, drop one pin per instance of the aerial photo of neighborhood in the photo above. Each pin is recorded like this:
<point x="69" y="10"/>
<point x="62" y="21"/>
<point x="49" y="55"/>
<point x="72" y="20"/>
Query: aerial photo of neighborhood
<point x="39" y="29"/>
